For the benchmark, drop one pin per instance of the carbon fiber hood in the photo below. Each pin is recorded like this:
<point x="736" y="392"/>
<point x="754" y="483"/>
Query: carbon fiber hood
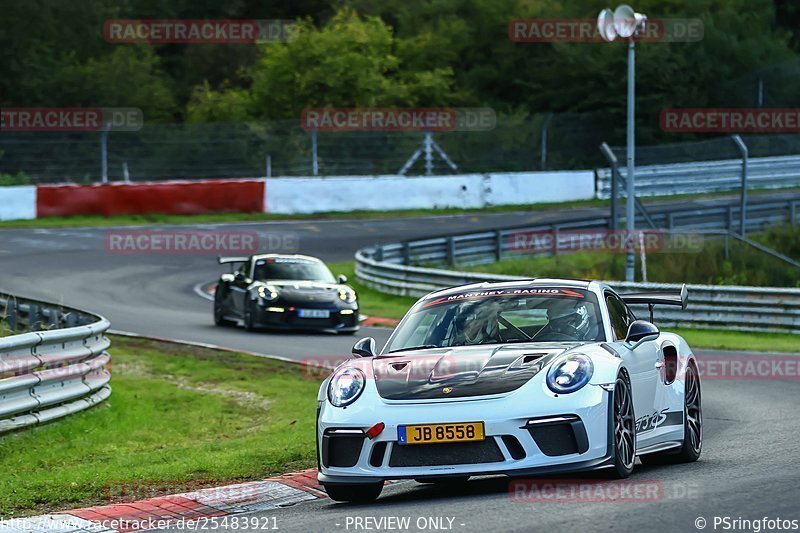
<point x="307" y="291"/>
<point x="461" y="371"/>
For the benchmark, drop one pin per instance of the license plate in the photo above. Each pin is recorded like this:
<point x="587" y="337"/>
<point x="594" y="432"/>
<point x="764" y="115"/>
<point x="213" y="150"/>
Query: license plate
<point x="435" y="433"/>
<point x="313" y="313"/>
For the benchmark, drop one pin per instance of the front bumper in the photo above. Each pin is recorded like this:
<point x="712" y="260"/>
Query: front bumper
<point x="287" y="317"/>
<point x="557" y="434"/>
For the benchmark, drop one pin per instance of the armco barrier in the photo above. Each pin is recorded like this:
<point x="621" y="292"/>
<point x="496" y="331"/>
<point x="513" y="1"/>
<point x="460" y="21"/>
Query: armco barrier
<point x="707" y="176"/>
<point x="390" y="268"/>
<point x="59" y="367"/>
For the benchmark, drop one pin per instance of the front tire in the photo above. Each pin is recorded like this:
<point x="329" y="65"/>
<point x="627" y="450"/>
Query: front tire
<point x="219" y="308"/>
<point x="692" y="425"/>
<point x="623" y="432"/>
<point x="354" y="493"/>
<point x="249" y="318"/>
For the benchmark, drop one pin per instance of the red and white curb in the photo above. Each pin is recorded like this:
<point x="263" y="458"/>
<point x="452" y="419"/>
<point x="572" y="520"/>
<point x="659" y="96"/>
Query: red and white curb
<point x="166" y="511"/>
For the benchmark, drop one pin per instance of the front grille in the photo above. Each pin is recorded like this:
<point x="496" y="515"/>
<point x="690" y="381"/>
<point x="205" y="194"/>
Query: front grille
<point x="452" y="453"/>
<point x="378" y="451"/>
<point x="341" y="451"/>
<point x="515" y="449"/>
<point x="560" y="439"/>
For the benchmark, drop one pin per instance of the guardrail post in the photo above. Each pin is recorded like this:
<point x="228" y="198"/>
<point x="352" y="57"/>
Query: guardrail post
<point x="729" y="223"/>
<point x="743" y="215"/>
<point x="793" y="213"/>
<point x="11" y="314"/>
<point x="670" y="221"/>
<point x="555" y="240"/>
<point x="378" y="255"/>
<point x="451" y="251"/>
<point x="498" y="245"/>
<point x="34" y="322"/>
<point x="612" y="160"/>
<point x="406" y="253"/>
<point x="54" y="318"/>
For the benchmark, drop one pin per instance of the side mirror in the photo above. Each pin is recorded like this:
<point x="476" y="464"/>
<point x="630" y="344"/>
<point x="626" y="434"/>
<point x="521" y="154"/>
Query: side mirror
<point x="342" y="278"/>
<point x="239" y="276"/>
<point x="640" y="331"/>
<point x="364" y="348"/>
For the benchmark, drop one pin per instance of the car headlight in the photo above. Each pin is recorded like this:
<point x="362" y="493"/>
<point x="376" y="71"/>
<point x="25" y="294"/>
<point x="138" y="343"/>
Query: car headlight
<point x="347" y="295"/>
<point x="267" y="293"/>
<point x="346" y="386"/>
<point x="570" y="373"/>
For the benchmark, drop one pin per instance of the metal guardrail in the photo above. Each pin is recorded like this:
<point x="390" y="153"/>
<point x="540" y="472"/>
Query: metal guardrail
<point x="59" y="367"/>
<point x="394" y="268"/>
<point x="487" y="246"/>
<point x="706" y="176"/>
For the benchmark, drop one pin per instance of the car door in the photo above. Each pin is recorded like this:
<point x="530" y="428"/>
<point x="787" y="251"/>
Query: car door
<point x="239" y="286"/>
<point x="642" y="362"/>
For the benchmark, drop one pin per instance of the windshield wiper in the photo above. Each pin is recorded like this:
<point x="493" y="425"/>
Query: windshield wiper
<point x="420" y="347"/>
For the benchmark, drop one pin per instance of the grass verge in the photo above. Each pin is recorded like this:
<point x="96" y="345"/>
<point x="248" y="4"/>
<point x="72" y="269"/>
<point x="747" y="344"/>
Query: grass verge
<point x="179" y="418"/>
<point x="372" y="302"/>
<point x="740" y="340"/>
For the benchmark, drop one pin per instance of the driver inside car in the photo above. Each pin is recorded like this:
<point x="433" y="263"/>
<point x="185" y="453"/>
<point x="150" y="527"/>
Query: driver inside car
<point x="477" y="323"/>
<point x="571" y="319"/>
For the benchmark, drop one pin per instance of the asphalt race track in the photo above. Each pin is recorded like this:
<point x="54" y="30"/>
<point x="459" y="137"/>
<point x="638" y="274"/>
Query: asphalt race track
<point x="153" y="293"/>
<point x="749" y="467"/>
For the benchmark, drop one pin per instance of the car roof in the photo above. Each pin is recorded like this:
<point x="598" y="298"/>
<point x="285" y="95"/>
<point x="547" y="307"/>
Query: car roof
<point x="513" y="284"/>
<point x="284" y="256"/>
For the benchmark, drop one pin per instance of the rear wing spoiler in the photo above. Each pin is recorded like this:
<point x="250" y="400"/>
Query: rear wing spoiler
<point x="231" y="261"/>
<point x="224" y="260"/>
<point x="678" y="298"/>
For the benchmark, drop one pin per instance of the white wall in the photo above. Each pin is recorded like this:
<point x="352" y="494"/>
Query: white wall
<point x="385" y="193"/>
<point x="538" y="187"/>
<point x="17" y="203"/>
<point x="378" y="193"/>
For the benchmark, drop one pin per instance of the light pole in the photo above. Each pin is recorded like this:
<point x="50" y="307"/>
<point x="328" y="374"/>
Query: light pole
<point x="624" y="22"/>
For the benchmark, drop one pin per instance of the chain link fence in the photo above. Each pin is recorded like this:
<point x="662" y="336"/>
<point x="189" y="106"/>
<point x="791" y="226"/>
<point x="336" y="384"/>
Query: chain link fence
<point x="563" y="141"/>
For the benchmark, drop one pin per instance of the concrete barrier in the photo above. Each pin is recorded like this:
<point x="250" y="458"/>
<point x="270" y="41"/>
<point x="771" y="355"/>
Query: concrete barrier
<point x="17" y="202"/>
<point x="386" y="193"/>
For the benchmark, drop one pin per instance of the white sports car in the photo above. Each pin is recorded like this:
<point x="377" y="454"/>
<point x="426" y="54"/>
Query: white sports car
<point x="515" y="378"/>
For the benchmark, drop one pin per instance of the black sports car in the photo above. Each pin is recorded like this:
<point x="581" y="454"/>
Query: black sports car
<point x="284" y="291"/>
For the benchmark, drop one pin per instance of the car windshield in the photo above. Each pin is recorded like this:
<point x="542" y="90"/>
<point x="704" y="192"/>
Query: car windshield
<point x="292" y="269"/>
<point x="500" y="316"/>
